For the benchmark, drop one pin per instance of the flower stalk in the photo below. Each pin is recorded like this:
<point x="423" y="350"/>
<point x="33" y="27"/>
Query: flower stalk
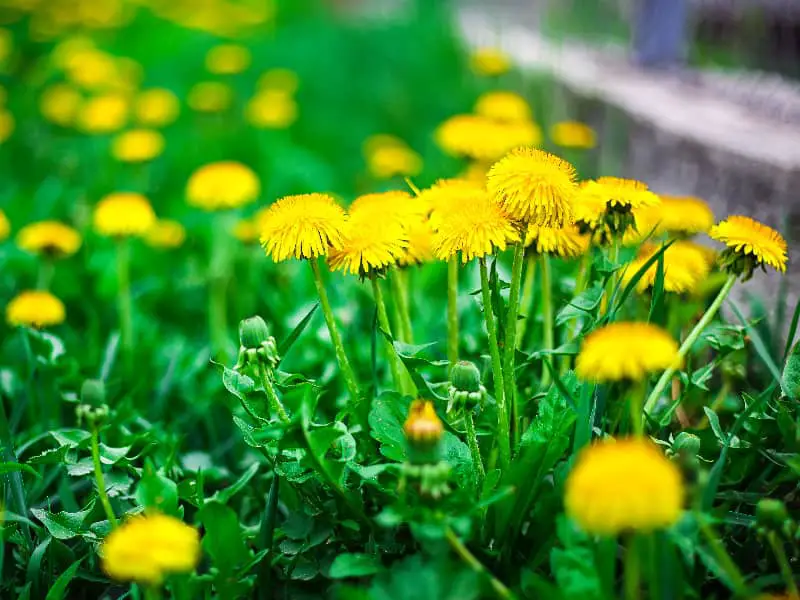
<point x="527" y="298"/>
<point x="548" y="334"/>
<point x="475" y="451"/>
<point x="509" y="349"/>
<point x="395" y="364"/>
<point x="99" y="478"/>
<point x="124" y="301"/>
<point x="452" y="309"/>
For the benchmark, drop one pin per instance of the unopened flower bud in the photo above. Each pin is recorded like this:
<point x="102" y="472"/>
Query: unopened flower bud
<point x="423" y="430"/>
<point x="93" y="392"/>
<point x="686" y="444"/>
<point x="465" y="386"/>
<point x="771" y="514"/>
<point x="253" y="332"/>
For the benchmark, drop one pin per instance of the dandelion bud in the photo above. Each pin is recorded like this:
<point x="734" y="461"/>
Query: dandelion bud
<point x="423" y="430"/>
<point x="93" y="392"/>
<point x="771" y="514"/>
<point x="465" y="386"/>
<point x="686" y="444"/>
<point x="253" y="332"/>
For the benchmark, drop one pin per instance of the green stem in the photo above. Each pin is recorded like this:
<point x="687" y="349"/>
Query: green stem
<point x="613" y="257"/>
<point x="218" y="316"/>
<point x="383" y="320"/>
<point x="46" y="272"/>
<point x="99" y="478"/>
<point x="635" y="401"/>
<point x="497" y="369"/>
<point x="510" y="346"/>
<point x="581" y="282"/>
<point x="723" y="558"/>
<point x="124" y="302"/>
<point x="786" y="569"/>
<point x="633" y="570"/>
<point x="274" y="401"/>
<point x="527" y="299"/>
<point x="151" y="592"/>
<point x="17" y="485"/>
<point x="452" y="310"/>
<point x="463" y="552"/>
<point x="666" y="377"/>
<point x="547" y="315"/>
<point x="475" y="451"/>
<point x="330" y="321"/>
<point x="399" y="282"/>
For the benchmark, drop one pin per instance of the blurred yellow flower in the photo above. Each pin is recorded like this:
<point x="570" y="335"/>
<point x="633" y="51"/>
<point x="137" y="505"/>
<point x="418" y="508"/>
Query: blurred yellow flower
<point x="476" y="172"/>
<point x="420" y="241"/>
<point x="448" y="194"/>
<point x="589" y="208"/>
<point x="423" y="425"/>
<point x="271" y="110"/>
<point x="6" y="45"/>
<point x="137" y="145"/>
<point x="572" y="134"/>
<point x="5" y="226"/>
<point x="304" y="226"/>
<point x="227" y="59"/>
<point x="624" y="485"/>
<point x="124" y="214"/>
<point x="222" y="185"/>
<point x="372" y="241"/>
<point x="470" y="223"/>
<point x="566" y="242"/>
<point x="625" y="352"/>
<point x="146" y="548"/>
<point x="503" y="106"/>
<point x="50" y="238"/>
<point x="7" y="125"/>
<point x="686" y="266"/>
<point x="103" y="114"/>
<point x="210" y="97"/>
<point x="396" y="204"/>
<point x="59" y="104"/>
<point x="388" y="156"/>
<point x="156" y="107"/>
<point x="490" y="62"/>
<point x="35" y="308"/>
<point x="675" y="216"/>
<point x="752" y="241"/>
<point x="534" y="187"/>
<point x="93" y="70"/>
<point x="246" y="231"/>
<point x="281" y="80"/>
<point x="624" y="194"/>
<point x="165" y="234"/>
<point x="484" y="139"/>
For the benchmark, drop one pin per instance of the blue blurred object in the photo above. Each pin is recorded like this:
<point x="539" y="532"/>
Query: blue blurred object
<point x="659" y="36"/>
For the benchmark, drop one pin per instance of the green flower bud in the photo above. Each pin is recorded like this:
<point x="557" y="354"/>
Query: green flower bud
<point x="253" y="332"/>
<point x="93" y="392"/>
<point x="771" y="514"/>
<point x="423" y="430"/>
<point x="686" y="444"/>
<point x="465" y="377"/>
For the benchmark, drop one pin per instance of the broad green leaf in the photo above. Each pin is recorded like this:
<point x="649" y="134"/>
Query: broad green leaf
<point x="157" y="491"/>
<point x="223" y="541"/>
<point x="354" y="565"/>
<point x="386" y="419"/>
<point x="63" y="525"/>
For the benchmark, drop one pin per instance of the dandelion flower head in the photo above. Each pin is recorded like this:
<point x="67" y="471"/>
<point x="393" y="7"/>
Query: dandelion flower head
<point x="279" y="80"/>
<point x="227" y="59"/>
<point x="503" y="106"/>
<point x="137" y="145"/>
<point x="59" y="104"/>
<point x="625" y="351"/>
<point x="146" y="548"/>
<point x="484" y="139"/>
<point x="423" y="424"/>
<point x="749" y="239"/>
<point x="165" y="234"/>
<point x="103" y="114"/>
<point x="35" y="308"/>
<point x="686" y="266"/>
<point x="271" y="110"/>
<point x="624" y="193"/>
<point x="566" y="242"/>
<point x="304" y="226"/>
<point x="623" y="485"/>
<point x="50" y="238"/>
<point x="124" y="214"/>
<point x="222" y="185"/>
<point x="388" y="156"/>
<point x="573" y="134"/>
<point x="534" y="187"/>
<point x="156" y="107"/>
<point x="490" y="62"/>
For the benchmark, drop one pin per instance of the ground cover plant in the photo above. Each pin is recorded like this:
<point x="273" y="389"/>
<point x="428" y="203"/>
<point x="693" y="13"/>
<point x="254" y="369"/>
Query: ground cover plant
<point x="302" y="307"/>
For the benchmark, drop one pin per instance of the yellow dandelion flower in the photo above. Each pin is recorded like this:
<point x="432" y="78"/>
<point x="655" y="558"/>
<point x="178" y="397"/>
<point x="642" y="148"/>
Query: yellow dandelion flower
<point x="137" y="145"/>
<point x="372" y="241"/>
<point x="165" y="234"/>
<point x="59" y="104"/>
<point x="686" y="266"/>
<point x="572" y="134"/>
<point x="390" y="160"/>
<point x="156" y="107"/>
<point x="617" y="486"/>
<point x="448" y="194"/>
<point x="476" y="172"/>
<point x="124" y="214"/>
<point x="484" y="139"/>
<point x="624" y="193"/>
<point x="246" y="231"/>
<point x="472" y="224"/>
<point x="534" y="187"/>
<point x="589" y="208"/>
<point x="36" y="309"/>
<point x="304" y="226"/>
<point x="210" y="97"/>
<point x="271" y="110"/>
<point x="397" y="204"/>
<point x="222" y="185"/>
<point x="227" y="59"/>
<point x="281" y="80"/>
<point x="625" y="352"/>
<point x="566" y="242"/>
<point x="146" y="548"/>
<point x="5" y="226"/>
<point x="420" y="242"/>
<point x="7" y="125"/>
<point x="503" y="106"/>
<point x="490" y="62"/>
<point x="423" y="425"/>
<point x="684" y="215"/>
<point x="752" y="241"/>
<point x="50" y="238"/>
<point x="92" y="70"/>
<point x="103" y="114"/>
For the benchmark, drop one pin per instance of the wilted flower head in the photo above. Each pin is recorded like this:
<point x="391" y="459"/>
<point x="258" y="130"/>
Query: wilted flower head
<point x="503" y="106"/>
<point x="222" y="185"/>
<point x="123" y="214"/>
<point x="572" y="134"/>
<point x="50" y="238"/>
<point x="227" y="59"/>
<point x="35" y="308"/>
<point x="749" y="244"/>
<point x="147" y="548"/>
<point x="534" y="187"/>
<point x="624" y="485"/>
<point x="625" y="352"/>
<point x="137" y="145"/>
<point x="304" y="226"/>
<point x="490" y="61"/>
<point x="156" y="107"/>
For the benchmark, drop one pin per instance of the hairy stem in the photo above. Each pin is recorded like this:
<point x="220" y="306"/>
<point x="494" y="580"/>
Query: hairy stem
<point x="510" y="346"/>
<point x="452" y="310"/>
